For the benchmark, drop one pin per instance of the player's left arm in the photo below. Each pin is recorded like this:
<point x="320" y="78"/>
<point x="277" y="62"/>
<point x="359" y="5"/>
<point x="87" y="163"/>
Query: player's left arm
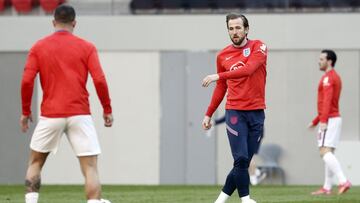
<point x="255" y="61"/>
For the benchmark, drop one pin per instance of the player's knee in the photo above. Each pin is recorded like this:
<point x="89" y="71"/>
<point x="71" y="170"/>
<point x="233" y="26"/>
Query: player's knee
<point x="324" y="150"/>
<point x="242" y="163"/>
<point x="37" y="159"/>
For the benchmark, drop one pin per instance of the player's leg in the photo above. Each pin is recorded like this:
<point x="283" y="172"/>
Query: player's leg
<point x="255" y="120"/>
<point x="92" y="183"/>
<point x="33" y="176"/>
<point x="256" y="175"/>
<point x="330" y="141"/>
<point x="328" y="178"/>
<point x="83" y="138"/>
<point x="45" y="139"/>
<point x="253" y="172"/>
<point x="334" y="166"/>
<point x="326" y="189"/>
<point x="232" y="122"/>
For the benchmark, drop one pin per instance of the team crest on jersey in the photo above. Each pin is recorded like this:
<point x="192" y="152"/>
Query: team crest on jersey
<point x="263" y="47"/>
<point x="326" y="81"/>
<point x="246" y="52"/>
<point x="233" y="120"/>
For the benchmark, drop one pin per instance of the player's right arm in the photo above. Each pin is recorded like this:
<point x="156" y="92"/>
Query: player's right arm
<point x="311" y="125"/>
<point x="314" y="122"/>
<point x="27" y="88"/>
<point x="217" y="97"/>
<point x="27" y="82"/>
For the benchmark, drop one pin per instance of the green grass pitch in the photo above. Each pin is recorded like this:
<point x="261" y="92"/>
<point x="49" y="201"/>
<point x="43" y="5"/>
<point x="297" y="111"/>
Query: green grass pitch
<point x="176" y="194"/>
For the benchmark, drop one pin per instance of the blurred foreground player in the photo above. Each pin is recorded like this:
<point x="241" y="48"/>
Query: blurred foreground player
<point x="329" y="121"/>
<point x="241" y="72"/>
<point x="63" y="62"/>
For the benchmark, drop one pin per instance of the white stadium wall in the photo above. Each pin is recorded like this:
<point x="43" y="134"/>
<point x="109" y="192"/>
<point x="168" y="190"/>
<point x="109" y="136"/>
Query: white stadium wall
<point x="130" y="49"/>
<point x="190" y="32"/>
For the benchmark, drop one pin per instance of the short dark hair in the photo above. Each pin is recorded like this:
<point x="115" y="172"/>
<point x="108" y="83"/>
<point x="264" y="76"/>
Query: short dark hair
<point x="330" y="55"/>
<point x="64" y="14"/>
<point x="232" y="16"/>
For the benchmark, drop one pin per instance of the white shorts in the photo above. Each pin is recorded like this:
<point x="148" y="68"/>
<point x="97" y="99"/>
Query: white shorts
<point x="79" y="130"/>
<point x="331" y="136"/>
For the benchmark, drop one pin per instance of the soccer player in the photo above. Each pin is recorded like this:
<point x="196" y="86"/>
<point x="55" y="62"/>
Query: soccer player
<point x="329" y="121"/>
<point x="63" y="62"/>
<point x="241" y="72"/>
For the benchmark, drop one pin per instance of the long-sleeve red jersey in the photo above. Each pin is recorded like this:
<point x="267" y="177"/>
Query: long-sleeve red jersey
<point x="63" y="62"/>
<point x="242" y="74"/>
<point x="328" y="97"/>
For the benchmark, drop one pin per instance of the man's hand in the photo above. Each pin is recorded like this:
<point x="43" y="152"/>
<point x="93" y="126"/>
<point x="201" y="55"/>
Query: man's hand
<point x="323" y="126"/>
<point x="209" y="79"/>
<point x="108" y="119"/>
<point x="311" y="126"/>
<point x="24" y="122"/>
<point x="206" y="124"/>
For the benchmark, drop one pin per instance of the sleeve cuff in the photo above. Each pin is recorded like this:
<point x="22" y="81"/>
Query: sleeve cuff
<point x="107" y="110"/>
<point x="209" y="112"/>
<point x="323" y="120"/>
<point x="222" y="75"/>
<point x="26" y="113"/>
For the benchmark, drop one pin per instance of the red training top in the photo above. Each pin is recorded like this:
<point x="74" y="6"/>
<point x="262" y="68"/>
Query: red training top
<point x="63" y="61"/>
<point x="328" y="97"/>
<point x="242" y="73"/>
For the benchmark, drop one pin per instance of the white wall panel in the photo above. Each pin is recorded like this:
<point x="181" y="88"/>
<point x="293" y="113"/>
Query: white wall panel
<point x="190" y="32"/>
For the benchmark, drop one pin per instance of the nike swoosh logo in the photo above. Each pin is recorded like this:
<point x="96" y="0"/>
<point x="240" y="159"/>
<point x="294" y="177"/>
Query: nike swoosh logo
<point x="227" y="58"/>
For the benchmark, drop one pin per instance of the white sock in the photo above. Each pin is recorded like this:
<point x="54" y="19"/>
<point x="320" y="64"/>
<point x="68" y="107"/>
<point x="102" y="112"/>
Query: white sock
<point x="245" y="198"/>
<point x="334" y="166"/>
<point x="328" y="178"/>
<point x="31" y="197"/>
<point x="93" y="201"/>
<point x="222" y="197"/>
<point x="253" y="180"/>
<point x="105" y="201"/>
<point x="257" y="172"/>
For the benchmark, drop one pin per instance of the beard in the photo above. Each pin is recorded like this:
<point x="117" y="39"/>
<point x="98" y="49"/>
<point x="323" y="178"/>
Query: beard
<point x="237" y="41"/>
<point x="323" y="67"/>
